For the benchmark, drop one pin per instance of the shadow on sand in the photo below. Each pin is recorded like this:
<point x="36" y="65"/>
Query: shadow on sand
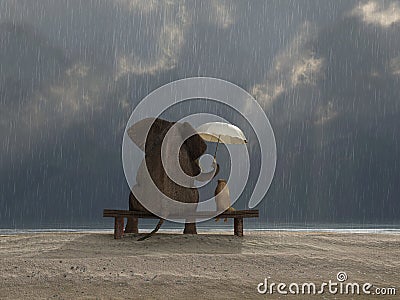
<point x="86" y="245"/>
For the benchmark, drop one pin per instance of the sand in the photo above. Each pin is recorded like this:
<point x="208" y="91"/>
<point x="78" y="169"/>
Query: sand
<point x="204" y="266"/>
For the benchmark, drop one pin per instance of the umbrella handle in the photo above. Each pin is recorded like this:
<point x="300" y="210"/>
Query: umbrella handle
<point x="216" y="148"/>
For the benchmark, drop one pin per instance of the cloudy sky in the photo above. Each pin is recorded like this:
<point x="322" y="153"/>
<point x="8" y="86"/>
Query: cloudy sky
<point x="326" y="73"/>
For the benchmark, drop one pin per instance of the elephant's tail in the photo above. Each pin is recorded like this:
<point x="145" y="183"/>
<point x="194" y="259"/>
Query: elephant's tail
<point x="153" y="232"/>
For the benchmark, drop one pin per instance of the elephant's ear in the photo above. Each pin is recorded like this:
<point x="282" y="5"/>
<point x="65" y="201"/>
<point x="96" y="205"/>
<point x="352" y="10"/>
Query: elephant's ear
<point x="195" y="144"/>
<point x="138" y="132"/>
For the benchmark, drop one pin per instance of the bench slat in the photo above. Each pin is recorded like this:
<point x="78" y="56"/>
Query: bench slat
<point x="202" y="214"/>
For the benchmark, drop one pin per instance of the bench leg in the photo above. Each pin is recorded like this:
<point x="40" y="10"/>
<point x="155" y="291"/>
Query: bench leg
<point x="118" y="227"/>
<point x="132" y="225"/>
<point x="238" y="226"/>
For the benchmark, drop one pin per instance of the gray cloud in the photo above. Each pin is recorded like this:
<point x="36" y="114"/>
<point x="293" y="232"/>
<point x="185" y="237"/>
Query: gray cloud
<point x="395" y="65"/>
<point x="325" y="72"/>
<point x="295" y="65"/>
<point x="169" y="37"/>
<point x="379" y="13"/>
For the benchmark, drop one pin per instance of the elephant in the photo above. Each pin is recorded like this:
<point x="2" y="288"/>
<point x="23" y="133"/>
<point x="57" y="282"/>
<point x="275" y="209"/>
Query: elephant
<point x="159" y="138"/>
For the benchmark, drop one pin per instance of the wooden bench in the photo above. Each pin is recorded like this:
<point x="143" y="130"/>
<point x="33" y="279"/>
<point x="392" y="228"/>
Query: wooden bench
<point x="119" y="215"/>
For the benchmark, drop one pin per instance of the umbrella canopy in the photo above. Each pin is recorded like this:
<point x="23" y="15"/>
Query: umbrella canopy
<point x="220" y="132"/>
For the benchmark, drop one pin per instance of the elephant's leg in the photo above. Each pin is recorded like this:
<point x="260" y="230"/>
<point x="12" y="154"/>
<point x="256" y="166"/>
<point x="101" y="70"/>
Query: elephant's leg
<point x="190" y="228"/>
<point x="132" y="224"/>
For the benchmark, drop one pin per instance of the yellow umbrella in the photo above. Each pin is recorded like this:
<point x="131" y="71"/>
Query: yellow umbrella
<point x="220" y="132"/>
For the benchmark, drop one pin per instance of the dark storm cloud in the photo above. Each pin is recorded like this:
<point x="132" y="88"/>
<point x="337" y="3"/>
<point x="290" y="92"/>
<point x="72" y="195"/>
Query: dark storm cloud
<point x="327" y="74"/>
<point x="338" y="134"/>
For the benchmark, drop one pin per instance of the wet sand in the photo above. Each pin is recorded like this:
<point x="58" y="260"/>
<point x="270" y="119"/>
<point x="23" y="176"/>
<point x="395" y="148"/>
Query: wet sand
<point x="204" y="266"/>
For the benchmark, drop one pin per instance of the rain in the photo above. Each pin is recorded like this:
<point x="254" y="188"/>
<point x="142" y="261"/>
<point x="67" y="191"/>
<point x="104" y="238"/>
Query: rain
<point x="326" y="73"/>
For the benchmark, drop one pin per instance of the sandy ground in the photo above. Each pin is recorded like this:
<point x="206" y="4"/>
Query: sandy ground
<point x="206" y="266"/>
